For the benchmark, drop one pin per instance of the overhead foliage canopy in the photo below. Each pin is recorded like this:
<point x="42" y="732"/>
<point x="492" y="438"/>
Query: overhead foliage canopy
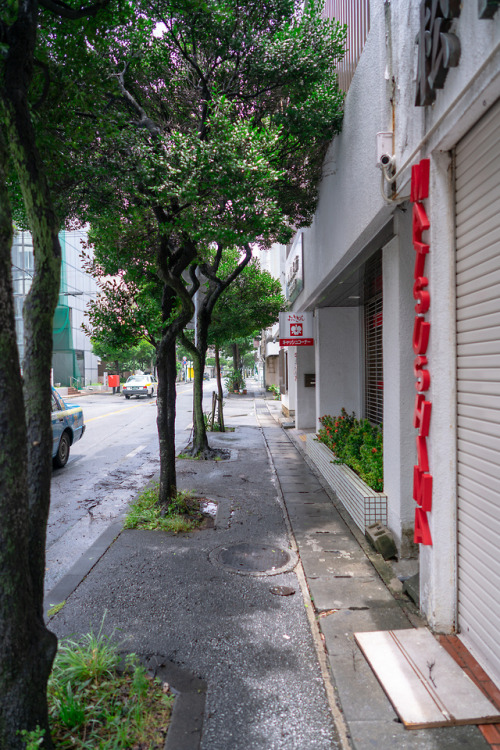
<point x="183" y="126"/>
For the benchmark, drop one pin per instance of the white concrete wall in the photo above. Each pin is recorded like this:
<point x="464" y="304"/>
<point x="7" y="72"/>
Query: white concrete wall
<point x="399" y="384"/>
<point x="305" y="412"/>
<point x="351" y="210"/>
<point x="381" y="97"/>
<point x="338" y="360"/>
<point x="289" y="400"/>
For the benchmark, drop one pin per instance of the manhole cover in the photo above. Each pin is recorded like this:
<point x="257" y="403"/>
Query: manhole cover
<point x="253" y="559"/>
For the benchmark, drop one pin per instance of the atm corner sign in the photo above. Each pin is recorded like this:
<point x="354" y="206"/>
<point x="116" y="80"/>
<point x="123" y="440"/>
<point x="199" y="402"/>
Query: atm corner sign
<point x="296" y="329"/>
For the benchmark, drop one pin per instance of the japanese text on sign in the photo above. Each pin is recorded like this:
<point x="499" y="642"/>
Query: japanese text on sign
<point x="296" y="329"/>
<point x="422" y="478"/>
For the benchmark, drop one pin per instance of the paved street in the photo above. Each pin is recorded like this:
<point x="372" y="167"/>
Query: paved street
<point x="116" y="457"/>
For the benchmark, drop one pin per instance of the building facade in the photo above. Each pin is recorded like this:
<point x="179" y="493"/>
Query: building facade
<point x="73" y="362"/>
<point x="269" y="357"/>
<point x="401" y="270"/>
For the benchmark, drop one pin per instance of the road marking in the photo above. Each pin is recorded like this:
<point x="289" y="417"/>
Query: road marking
<point x="135" y="451"/>
<point x="111" y="413"/>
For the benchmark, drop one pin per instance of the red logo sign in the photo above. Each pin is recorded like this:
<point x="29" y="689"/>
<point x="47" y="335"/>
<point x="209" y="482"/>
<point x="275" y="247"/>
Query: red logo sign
<point x="422" y="478"/>
<point x="296" y="342"/>
<point x="296" y="329"/>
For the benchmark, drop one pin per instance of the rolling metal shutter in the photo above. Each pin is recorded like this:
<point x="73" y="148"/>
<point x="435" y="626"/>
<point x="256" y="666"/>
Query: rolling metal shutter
<point x="374" y="355"/>
<point x="478" y="388"/>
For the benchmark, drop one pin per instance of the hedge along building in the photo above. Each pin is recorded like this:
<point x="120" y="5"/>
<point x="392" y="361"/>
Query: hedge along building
<point x="439" y="99"/>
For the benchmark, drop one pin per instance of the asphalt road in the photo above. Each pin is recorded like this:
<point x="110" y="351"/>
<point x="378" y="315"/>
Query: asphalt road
<point x="116" y="457"/>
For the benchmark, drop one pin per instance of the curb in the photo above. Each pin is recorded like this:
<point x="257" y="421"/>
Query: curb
<point x="80" y="570"/>
<point x="186" y="725"/>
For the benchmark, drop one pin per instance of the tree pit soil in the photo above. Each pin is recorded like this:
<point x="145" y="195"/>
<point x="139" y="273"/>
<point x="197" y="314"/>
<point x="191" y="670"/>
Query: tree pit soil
<point x="209" y="454"/>
<point x="202" y="510"/>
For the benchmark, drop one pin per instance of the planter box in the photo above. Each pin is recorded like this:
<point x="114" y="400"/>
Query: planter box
<point x="363" y="504"/>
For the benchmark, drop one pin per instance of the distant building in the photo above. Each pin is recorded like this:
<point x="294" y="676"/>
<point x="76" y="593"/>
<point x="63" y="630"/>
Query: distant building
<point x="72" y="360"/>
<point x="270" y="361"/>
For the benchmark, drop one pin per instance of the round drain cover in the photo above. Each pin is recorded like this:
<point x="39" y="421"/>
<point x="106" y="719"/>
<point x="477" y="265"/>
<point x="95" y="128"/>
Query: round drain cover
<point x="253" y="559"/>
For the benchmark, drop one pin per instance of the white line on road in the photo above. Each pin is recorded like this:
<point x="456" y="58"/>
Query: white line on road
<point x="135" y="451"/>
<point x="112" y="413"/>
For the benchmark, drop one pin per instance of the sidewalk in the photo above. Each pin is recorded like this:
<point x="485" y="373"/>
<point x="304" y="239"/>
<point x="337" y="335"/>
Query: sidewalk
<point x="227" y="611"/>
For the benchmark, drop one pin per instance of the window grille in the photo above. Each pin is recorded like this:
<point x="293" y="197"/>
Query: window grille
<point x="356" y="14"/>
<point x="374" y="359"/>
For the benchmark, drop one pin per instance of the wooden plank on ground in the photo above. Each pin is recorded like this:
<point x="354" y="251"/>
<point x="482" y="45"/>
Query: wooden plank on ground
<point x="423" y="682"/>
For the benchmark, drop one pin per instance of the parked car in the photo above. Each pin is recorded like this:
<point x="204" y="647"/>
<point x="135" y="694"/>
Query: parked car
<point x="68" y="426"/>
<point x="140" y="385"/>
<point x="206" y="376"/>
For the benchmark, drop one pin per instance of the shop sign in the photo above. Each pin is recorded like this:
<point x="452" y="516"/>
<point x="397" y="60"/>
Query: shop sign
<point x="438" y="48"/>
<point x="487" y="8"/>
<point x="296" y="329"/>
<point x="422" y="478"/>
<point x="294" y="269"/>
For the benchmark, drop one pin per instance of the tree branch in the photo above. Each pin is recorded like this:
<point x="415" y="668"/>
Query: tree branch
<point x="189" y="59"/>
<point x="221" y="286"/>
<point x="239" y="268"/>
<point x="195" y="282"/>
<point x="46" y="82"/>
<point x="210" y="270"/>
<point x="144" y="121"/>
<point x="63" y="10"/>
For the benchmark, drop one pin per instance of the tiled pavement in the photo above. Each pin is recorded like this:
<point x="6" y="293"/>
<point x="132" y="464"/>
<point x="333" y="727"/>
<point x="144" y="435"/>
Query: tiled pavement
<point x="349" y="596"/>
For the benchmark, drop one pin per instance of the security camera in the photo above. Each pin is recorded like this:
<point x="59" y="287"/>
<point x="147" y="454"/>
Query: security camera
<point x="385" y="158"/>
<point x="388" y="164"/>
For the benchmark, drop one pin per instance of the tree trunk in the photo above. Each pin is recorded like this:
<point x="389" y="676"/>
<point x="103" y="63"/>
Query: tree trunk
<point x="236" y="356"/>
<point x="236" y="366"/>
<point x="219" y="390"/>
<point x="166" y="402"/>
<point x="199" y="447"/>
<point x="174" y="291"/>
<point x="27" y="648"/>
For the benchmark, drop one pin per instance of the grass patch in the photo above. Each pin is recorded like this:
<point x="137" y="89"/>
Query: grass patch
<point x="95" y="704"/>
<point x="183" y="513"/>
<point x="216" y="428"/>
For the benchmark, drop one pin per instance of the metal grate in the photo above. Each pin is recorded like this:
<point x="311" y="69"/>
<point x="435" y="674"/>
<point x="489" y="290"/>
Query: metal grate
<point x="374" y="356"/>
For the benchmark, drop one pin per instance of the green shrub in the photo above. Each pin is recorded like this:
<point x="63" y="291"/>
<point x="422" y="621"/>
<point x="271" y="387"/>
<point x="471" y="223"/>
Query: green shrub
<point x="234" y="380"/>
<point x="276" y="390"/>
<point x="356" y="443"/>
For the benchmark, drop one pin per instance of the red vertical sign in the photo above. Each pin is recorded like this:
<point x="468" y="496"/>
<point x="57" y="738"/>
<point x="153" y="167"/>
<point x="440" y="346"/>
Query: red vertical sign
<point x="422" y="478"/>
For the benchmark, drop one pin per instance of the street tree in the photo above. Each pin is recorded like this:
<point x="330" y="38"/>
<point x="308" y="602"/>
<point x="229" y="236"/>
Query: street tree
<point x="207" y="119"/>
<point x="27" y="647"/>
<point x="214" y="126"/>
